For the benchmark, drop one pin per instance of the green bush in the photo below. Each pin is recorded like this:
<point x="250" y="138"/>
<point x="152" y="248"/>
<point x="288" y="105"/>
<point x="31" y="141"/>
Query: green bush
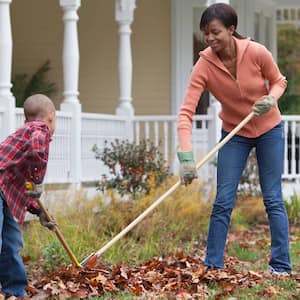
<point x="54" y="255"/>
<point x="135" y="169"/>
<point x="293" y="209"/>
<point x="23" y="86"/>
<point x="289" y="104"/>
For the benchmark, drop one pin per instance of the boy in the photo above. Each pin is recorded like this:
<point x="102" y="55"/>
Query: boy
<point x="23" y="157"/>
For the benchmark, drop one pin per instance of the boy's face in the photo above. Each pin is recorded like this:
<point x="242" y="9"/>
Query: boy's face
<point x="51" y="120"/>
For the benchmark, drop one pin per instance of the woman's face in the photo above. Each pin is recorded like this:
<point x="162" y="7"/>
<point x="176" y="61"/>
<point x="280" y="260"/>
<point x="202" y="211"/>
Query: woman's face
<point x="217" y="36"/>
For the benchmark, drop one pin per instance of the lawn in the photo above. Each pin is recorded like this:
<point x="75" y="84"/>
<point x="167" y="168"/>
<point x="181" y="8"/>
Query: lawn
<point x="162" y="257"/>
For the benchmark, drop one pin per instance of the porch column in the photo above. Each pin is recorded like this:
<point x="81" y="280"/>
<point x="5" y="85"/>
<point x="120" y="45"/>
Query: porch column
<point x="124" y="17"/>
<point x="71" y="101"/>
<point x="7" y="100"/>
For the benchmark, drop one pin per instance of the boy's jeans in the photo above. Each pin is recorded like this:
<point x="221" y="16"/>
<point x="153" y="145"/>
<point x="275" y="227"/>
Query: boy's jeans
<point x="13" y="277"/>
<point x="231" y="162"/>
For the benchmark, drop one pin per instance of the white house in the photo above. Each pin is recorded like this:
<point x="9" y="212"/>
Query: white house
<point x="122" y="67"/>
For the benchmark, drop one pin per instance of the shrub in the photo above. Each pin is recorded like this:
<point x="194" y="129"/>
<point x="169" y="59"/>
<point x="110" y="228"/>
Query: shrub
<point x="293" y="209"/>
<point x="54" y="255"/>
<point x="250" y="210"/>
<point x="24" y="86"/>
<point x="134" y="169"/>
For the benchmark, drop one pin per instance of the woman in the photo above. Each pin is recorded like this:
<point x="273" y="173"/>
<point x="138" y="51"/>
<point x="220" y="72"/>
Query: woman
<point x="235" y="70"/>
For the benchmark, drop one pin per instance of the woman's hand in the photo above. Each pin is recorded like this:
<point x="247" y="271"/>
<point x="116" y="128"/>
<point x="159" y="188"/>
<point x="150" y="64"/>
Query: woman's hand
<point x="188" y="170"/>
<point x="263" y="105"/>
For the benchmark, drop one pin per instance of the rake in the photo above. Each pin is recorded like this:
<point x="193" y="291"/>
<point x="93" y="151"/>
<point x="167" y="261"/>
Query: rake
<point x="92" y="259"/>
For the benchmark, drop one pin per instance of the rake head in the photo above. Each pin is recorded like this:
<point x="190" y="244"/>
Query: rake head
<point x="90" y="261"/>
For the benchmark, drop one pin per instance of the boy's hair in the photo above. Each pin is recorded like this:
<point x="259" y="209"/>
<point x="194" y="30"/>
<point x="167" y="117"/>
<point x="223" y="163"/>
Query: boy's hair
<point x="37" y="107"/>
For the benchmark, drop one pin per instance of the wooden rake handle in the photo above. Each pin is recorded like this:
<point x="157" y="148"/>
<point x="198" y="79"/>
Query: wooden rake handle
<point x="225" y="140"/>
<point x="174" y="187"/>
<point x="59" y="235"/>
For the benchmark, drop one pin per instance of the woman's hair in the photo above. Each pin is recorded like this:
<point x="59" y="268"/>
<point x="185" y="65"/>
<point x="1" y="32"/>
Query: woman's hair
<point x="223" y="12"/>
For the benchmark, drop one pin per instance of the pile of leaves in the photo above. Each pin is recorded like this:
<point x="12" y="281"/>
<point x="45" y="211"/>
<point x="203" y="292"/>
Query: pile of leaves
<point x="182" y="275"/>
<point x="179" y="276"/>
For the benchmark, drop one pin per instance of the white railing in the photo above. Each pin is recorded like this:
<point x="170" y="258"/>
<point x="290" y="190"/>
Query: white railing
<point x="60" y="150"/>
<point x="96" y="130"/>
<point x="288" y="14"/>
<point x="19" y="117"/>
<point x="58" y="169"/>
<point x="2" y="137"/>
<point x="292" y="147"/>
<point x="161" y="130"/>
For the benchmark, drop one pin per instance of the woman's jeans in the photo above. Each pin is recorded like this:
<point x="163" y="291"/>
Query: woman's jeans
<point x="232" y="159"/>
<point x="13" y="278"/>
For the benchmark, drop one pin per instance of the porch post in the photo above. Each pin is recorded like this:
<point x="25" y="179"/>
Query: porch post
<point x="124" y="17"/>
<point x="71" y="101"/>
<point x="7" y="100"/>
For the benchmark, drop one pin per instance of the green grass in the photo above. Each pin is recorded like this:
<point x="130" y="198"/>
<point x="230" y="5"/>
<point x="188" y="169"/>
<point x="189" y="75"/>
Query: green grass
<point x="292" y="206"/>
<point x="285" y="289"/>
<point x="295" y="253"/>
<point x="179" y="223"/>
<point x="251" y="254"/>
<point x="258" y="255"/>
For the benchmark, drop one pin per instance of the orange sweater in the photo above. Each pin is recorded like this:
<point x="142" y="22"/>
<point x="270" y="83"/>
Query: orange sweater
<point x="255" y="65"/>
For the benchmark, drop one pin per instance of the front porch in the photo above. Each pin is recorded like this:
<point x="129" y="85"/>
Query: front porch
<point x="71" y="156"/>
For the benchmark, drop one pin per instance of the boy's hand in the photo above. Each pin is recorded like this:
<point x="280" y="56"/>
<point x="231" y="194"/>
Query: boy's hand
<point x="188" y="170"/>
<point x="263" y="105"/>
<point x="33" y="190"/>
<point x="46" y="223"/>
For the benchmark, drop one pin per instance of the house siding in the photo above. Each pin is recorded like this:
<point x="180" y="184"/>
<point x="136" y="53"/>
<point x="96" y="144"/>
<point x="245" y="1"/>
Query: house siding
<point x="37" y="30"/>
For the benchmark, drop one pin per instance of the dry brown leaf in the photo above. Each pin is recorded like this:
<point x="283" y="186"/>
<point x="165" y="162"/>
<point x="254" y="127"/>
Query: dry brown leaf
<point x="177" y="276"/>
<point x="270" y="291"/>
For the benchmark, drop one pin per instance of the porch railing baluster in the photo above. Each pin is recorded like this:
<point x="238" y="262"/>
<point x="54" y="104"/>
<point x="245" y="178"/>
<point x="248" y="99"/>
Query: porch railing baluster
<point x="286" y="164"/>
<point x="166" y="144"/>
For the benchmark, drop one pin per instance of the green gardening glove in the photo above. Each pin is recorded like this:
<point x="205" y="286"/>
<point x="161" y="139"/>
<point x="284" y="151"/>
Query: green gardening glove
<point x="187" y="170"/>
<point x="263" y="105"/>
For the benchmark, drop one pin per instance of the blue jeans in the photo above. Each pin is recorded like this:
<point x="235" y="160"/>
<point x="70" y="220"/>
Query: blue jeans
<point x="232" y="159"/>
<point x="13" y="277"/>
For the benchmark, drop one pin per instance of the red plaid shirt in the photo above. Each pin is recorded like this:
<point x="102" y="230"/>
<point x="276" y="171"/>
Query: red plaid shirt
<point x="23" y="157"/>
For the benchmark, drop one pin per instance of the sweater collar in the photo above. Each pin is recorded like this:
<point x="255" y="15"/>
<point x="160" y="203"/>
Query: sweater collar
<point x="211" y="56"/>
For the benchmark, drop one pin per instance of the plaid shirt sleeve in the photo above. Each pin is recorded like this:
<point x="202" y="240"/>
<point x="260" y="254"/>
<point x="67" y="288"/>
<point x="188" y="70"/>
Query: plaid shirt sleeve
<point x="37" y="156"/>
<point x="34" y="208"/>
<point x="37" y="159"/>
